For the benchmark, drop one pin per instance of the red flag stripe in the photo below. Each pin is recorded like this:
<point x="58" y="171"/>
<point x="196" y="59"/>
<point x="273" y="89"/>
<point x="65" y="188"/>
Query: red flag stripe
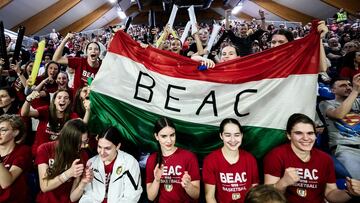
<point x="297" y="57"/>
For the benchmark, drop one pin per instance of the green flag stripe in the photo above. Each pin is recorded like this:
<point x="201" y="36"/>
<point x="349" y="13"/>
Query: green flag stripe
<point x="136" y="126"/>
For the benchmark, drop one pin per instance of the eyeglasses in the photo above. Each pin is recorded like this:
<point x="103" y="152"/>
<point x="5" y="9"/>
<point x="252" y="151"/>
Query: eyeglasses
<point x="3" y="131"/>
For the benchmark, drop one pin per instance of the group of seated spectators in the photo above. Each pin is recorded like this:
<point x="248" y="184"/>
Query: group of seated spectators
<point x="53" y="112"/>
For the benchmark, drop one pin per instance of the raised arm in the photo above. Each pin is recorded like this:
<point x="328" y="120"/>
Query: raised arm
<point x="25" y="109"/>
<point x="346" y="105"/>
<point x="58" y="58"/>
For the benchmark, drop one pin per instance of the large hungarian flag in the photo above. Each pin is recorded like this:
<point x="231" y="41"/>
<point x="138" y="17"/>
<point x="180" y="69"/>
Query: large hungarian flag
<point x="135" y="86"/>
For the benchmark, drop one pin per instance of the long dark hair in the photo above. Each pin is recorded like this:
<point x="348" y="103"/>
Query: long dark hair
<point x="229" y="120"/>
<point x="159" y="125"/>
<point x="78" y="106"/>
<point x="68" y="147"/>
<point x="45" y="74"/>
<point x="298" y="118"/>
<point x="56" y="123"/>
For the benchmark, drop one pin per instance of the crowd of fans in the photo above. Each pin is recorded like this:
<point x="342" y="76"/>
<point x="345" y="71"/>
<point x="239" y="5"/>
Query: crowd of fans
<point x="53" y="110"/>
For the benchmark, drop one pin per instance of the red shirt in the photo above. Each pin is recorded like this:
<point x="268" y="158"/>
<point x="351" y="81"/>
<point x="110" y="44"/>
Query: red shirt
<point x="232" y="181"/>
<point x="61" y="194"/>
<point x="314" y="174"/>
<point x="48" y="88"/>
<point x="44" y="133"/>
<point x="83" y="71"/>
<point x="349" y="73"/>
<point x="108" y="171"/>
<point x="18" y="191"/>
<point x="174" y="167"/>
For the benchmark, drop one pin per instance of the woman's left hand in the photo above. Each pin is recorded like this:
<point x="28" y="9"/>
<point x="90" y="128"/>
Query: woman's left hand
<point x="88" y="175"/>
<point x="186" y="180"/>
<point x="86" y="104"/>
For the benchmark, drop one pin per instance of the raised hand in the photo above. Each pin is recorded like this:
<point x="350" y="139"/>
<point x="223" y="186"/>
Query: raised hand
<point x="290" y="176"/>
<point x="186" y="180"/>
<point x="158" y="171"/>
<point x="76" y="169"/>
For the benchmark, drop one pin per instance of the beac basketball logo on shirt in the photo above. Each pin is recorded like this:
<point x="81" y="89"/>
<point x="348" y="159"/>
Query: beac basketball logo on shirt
<point x="301" y="192"/>
<point x="233" y="177"/>
<point x="235" y="196"/>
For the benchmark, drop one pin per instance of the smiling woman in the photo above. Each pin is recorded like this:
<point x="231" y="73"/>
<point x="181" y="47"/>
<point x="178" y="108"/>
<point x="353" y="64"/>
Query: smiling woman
<point x="172" y="174"/>
<point x="116" y="173"/>
<point x="229" y="172"/>
<point x="52" y="118"/>
<point x="303" y="173"/>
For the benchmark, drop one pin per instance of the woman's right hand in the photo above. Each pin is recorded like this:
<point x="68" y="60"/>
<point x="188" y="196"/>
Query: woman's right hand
<point x="33" y="95"/>
<point x="290" y="176"/>
<point x="158" y="171"/>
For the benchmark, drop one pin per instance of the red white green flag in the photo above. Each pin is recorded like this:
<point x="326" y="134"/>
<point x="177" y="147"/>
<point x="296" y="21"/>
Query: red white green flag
<point x="135" y="86"/>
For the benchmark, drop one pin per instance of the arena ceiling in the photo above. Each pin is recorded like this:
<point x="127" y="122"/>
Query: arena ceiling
<point x="41" y="16"/>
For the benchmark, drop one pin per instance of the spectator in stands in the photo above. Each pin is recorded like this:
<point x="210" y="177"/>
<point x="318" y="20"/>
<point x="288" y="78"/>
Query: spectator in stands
<point x="62" y="81"/>
<point x="264" y="194"/>
<point x="45" y="84"/>
<point x="349" y="47"/>
<point x="8" y="101"/>
<point x="280" y="37"/>
<point x="80" y="100"/>
<point x="162" y="182"/>
<point x="84" y="67"/>
<point x="20" y="82"/>
<point x="119" y="171"/>
<point x="52" y="118"/>
<point x="340" y="116"/>
<point x="243" y="42"/>
<point x="15" y="160"/>
<point x="351" y="65"/>
<point x="61" y="166"/>
<point x="229" y="172"/>
<point x="228" y="53"/>
<point x="304" y="173"/>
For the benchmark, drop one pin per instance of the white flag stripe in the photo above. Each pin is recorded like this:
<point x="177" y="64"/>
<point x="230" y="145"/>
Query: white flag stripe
<point x="274" y="97"/>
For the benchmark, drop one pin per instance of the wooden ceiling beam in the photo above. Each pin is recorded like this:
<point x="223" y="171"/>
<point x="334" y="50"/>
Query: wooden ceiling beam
<point x="46" y="16"/>
<point x="244" y="16"/>
<point x="283" y="11"/>
<point x="87" y="20"/>
<point x="114" y="21"/>
<point x="3" y="3"/>
<point x="351" y="6"/>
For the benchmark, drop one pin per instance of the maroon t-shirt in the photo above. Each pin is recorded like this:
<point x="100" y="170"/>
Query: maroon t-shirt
<point x="18" y="191"/>
<point x="44" y="133"/>
<point x="61" y="194"/>
<point x="174" y="167"/>
<point x="83" y="71"/>
<point x="108" y="171"/>
<point x="232" y="181"/>
<point x="314" y="174"/>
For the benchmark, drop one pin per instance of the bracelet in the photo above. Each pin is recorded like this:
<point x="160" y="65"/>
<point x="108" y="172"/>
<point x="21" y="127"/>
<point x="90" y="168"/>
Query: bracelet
<point x="64" y="177"/>
<point x="26" y="99"/>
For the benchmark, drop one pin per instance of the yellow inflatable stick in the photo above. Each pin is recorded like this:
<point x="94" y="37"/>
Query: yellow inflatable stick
<point x="38" y="59"/>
